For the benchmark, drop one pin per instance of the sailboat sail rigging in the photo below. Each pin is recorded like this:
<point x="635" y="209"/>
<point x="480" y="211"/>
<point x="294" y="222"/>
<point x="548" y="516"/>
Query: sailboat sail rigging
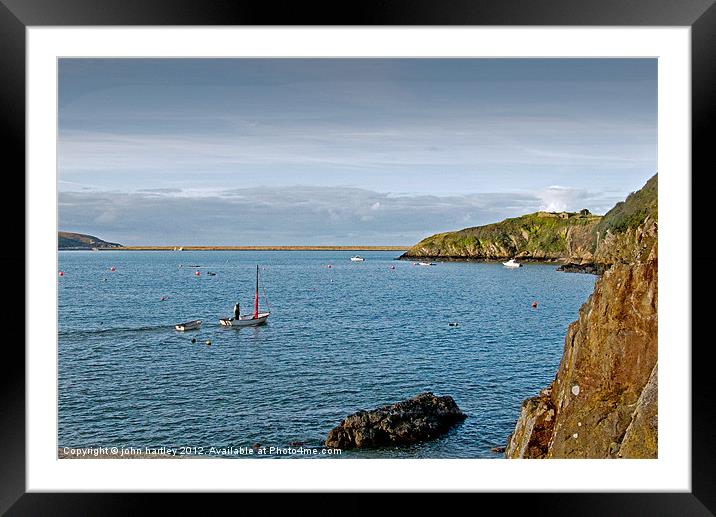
<point x="256" y="296"/>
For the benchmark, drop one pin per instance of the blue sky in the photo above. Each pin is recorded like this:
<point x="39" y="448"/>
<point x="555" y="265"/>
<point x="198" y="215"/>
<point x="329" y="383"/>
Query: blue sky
<point x="344" y="151"/>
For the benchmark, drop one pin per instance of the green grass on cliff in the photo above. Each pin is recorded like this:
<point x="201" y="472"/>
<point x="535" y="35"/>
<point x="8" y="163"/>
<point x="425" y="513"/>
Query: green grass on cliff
<point x="632" y="212"/>
<point x="537" y="233"/>
<point x="543" y="234"/>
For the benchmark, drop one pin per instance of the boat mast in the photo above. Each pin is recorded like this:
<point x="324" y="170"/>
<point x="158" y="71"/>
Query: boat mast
<point x="256" y="297"/>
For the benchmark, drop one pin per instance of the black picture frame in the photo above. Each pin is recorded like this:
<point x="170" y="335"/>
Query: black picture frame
<point x="17" y="15"/>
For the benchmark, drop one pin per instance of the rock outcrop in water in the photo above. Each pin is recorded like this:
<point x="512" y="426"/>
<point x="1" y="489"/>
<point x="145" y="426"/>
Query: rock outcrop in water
<point x="571" y="267"/>
<point x="420" y="418"/>
<point x="603" y="400"/>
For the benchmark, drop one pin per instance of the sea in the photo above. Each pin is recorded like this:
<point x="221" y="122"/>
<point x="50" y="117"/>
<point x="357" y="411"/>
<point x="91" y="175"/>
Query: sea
<point x="342" y="336"/>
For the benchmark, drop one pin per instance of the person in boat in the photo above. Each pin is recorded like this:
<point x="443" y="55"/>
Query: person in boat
<point x="237" y="311"/>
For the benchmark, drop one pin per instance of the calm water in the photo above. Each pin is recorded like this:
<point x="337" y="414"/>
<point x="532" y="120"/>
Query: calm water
<point x="354" y="336"/>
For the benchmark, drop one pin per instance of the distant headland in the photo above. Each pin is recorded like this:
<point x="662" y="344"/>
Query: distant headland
<point x="81" y="241"/>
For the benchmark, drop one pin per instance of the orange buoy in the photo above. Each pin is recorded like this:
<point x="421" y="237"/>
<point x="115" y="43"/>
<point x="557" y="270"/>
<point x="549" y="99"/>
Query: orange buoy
<point x="62" y="273"/>
<point x="197" y="273"/>
<point x="534" y="305"/>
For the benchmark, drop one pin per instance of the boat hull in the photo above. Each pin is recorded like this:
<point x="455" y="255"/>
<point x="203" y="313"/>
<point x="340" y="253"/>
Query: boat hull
<point x="249" y="321"/>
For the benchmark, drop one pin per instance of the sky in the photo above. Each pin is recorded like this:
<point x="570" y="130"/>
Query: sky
<point x="344" y="151"/>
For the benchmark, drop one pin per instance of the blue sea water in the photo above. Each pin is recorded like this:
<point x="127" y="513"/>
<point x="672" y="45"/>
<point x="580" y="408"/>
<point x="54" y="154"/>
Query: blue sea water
<point x="354" y="336"/>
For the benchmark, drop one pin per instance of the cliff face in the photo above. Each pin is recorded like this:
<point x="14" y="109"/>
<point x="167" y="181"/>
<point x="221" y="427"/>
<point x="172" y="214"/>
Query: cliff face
<point x="538" y="236"/>
<point x="603" y="400"/>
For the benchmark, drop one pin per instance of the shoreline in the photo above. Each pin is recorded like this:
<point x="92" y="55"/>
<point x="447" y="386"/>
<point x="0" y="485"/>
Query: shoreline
<point x="485" y="260"/>
<point x="564" y="264"/>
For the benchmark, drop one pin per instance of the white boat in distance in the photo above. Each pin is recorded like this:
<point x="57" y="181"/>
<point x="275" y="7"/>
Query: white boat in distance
<point x="188" y="325"/>
<point x="426" y="263"/>
<point x="511" y="263"/>
<point x="357" y="258"/>
<point x="248" y="320"/>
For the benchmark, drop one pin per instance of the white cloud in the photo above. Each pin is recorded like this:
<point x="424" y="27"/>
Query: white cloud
<point x="298" y="215"/>
<point x="489" y="140"/>
<point x="287" y="215"/>
<point x="559" y="199"/>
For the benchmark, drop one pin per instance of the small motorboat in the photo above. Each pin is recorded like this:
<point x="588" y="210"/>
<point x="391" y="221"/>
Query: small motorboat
<point x="188" y="325"/>
<point x="210" y="273"/>
<point x="357" y="258"/>
<point x="426" y="263"/>
<point x="511" y="263"/>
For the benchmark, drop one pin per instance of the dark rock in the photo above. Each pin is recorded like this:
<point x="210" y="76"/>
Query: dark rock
<point x="423" y="417"/>
<point x="572" y="267"/>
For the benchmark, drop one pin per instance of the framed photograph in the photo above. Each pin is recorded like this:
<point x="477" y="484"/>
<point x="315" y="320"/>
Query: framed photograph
<point x="413" y="251"/>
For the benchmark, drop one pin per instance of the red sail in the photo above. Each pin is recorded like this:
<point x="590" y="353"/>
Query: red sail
<point x="256" y="298"/>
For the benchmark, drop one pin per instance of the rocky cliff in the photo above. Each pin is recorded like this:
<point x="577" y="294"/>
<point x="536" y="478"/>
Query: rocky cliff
<point x="538" y="236"/>
<point x="603" y="400"/>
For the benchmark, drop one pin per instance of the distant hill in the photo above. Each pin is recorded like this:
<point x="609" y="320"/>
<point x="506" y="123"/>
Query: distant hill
<point x="80" y="241"/>
<point x="537" y="236"/>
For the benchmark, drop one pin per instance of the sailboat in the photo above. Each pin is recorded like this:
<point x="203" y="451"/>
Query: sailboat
<point x="248" y="320"/>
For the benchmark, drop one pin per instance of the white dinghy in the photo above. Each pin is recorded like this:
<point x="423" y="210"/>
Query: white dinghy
<point x="188" y="325"/>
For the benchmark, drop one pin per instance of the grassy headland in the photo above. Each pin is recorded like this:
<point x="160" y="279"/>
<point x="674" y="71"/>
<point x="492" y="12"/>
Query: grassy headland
<point x="565" y="236"/>
<point x="537" y="236"/>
